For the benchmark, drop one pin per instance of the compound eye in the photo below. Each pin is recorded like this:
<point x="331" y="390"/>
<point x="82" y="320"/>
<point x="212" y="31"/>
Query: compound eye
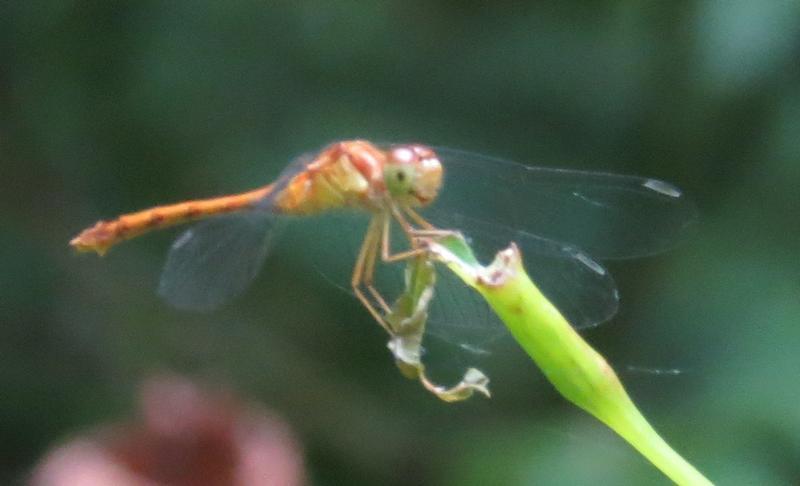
<point x="403" y="155"/>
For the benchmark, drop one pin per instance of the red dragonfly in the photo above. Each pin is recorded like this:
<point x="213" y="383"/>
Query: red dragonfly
<point x="563" y="220"/>
<point x="388" y="184"/>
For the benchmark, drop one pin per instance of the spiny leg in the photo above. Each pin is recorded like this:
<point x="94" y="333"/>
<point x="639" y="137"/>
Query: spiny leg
<point x="387" y="257"/>
<point x="415" y="216"/>
<point x="364" y="268"/>
<point x="386" y="234"/>
<point x="413" y="234"/>
<point x="379" y="234"/>
<point x="368" y="248"/>
<point x="428" y="230"/>
<point x="369" y="272"/>
<point x="368" y="257"/>
<point x="407" y="228"/>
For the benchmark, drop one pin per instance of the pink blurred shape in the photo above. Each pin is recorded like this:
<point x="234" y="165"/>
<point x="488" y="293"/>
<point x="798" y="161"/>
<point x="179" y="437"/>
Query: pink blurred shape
<point x="186" y="437"/>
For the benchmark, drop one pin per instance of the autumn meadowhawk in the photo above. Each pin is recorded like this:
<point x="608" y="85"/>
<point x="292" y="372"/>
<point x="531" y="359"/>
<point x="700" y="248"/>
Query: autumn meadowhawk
<point x="564" y="221"/>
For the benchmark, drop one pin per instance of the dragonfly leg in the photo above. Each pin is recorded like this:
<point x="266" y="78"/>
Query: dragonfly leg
<point x="407" y="227"/>
<point x="362" y="274"/>
<point x="379" y="235"/>
<point x="413" y="234"/>
<point x="422" y="222"/>
<point x="386" y="245"/>
<point x="433" y="233"/>
<point x="369" y="273"/>
<point x="428" y="230"/>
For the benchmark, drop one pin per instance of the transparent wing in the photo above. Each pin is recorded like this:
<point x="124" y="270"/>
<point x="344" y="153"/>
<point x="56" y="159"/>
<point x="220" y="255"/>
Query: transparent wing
<point x="582" y="290"/>
<point x="606" y="215"/>
<point x="216" y="260"/>
<point x="557" y="217"/>
<point x="562" y="221"/>
<point x="460" y="317"/>
<point x="461" y="324"/>
<point x="338" y="236"/>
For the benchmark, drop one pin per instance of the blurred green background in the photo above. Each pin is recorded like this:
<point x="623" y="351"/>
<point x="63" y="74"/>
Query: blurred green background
<point x="107" y="107"/>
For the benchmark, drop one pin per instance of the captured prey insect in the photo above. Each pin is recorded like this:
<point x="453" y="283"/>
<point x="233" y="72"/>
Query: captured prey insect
<point x="563" y="221"/>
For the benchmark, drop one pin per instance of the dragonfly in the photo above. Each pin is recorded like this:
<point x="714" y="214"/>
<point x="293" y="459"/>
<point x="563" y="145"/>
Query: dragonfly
<point x="565" y="222"/>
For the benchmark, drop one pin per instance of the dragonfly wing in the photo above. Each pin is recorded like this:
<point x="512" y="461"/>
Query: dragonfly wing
<point x="580" y="287"/>
<point x="215" y="260"/>
<point x="606" y="215"/>
<point x="460" y="317"/>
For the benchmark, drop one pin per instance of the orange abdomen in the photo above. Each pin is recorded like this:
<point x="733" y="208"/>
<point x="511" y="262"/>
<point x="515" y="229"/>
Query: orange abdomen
<point x="342" y="175"/>
<point x="105" y="234"/>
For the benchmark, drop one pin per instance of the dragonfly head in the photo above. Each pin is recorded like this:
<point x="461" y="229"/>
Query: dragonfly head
<point x="412" y="174"/>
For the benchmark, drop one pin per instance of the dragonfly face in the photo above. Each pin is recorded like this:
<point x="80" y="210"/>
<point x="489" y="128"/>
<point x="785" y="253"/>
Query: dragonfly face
<point x="412" y="174"/>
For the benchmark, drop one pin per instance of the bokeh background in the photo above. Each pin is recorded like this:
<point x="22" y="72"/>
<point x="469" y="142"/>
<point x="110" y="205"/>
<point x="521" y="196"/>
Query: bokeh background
<point x="106" y="107"/>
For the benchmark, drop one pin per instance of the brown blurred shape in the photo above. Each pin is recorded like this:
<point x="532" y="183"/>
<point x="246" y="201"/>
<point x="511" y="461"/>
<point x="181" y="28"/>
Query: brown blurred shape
<point x="185" y="437"/>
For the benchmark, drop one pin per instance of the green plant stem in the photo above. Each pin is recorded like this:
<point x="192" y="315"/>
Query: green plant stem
<point x="576" y="370"/>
